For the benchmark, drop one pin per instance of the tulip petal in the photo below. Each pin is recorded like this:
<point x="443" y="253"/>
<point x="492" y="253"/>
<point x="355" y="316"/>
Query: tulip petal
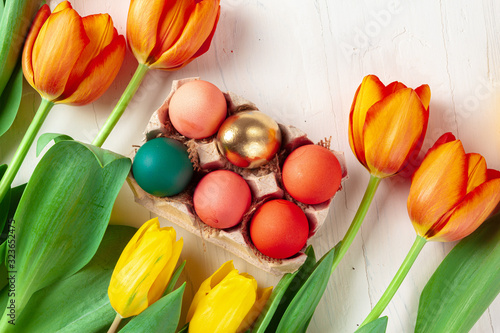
<point x="492" y="174"/>
<point x="171" y="25"/>
<point x="56" y="50"/>
<point x="262" y="297"/>
<point x="393" y="128"/>
<point x="208" y="285"/>
<point x="370" y="91"/>
<point x="226" y="305"/>
<point x="27" y="59"/>
<point x="131" y="282"/>
<point x="438" y="185"/>
<point x="469" y="214"/>
<point x="100" y="31"/>
<point x="142" y="27"/>
<point x="476" y="170"/>
<point x="161" y="282"/>
<point x="196" y="31"/>
<point x="98" y="76"/>
<point x="61" y="6"/>
<point x="393" y="87"/>
<point x="424" y="92"/>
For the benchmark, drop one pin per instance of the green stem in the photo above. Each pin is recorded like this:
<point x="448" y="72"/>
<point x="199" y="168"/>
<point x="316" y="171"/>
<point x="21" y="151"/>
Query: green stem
<point x="397" y="280"/>
<point x="122" y="104"/>
<point x="24" y="146"/>
<point x="357" y="220"/>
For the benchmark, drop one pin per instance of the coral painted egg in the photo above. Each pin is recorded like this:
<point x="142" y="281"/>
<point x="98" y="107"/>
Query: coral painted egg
<point x="221" y="199"/>
<point x="197" y="109"/>
<point x="279" y="229"/>
<point x="162" y="167"/>
<point x="311" y="174"/>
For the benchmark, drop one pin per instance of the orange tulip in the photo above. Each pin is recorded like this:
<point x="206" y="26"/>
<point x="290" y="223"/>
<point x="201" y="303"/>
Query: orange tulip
<point x="452" y="192"/>
<point x="387" y="124"/>
<point x="169" y="34"/>
<point x="72" y="59"/>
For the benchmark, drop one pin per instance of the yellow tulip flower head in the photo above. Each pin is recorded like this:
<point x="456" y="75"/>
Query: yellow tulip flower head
<point x="227" y="302"/>
<point x="144" y="269"/>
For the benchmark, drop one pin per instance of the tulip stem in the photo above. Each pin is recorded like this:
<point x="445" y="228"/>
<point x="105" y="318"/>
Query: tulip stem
<point x="397" y="280"/>
<point x="24" y="146"/>
<point x="114" y="325"/>
<point x="357" y="220"/>
<point x="122" y="104"/>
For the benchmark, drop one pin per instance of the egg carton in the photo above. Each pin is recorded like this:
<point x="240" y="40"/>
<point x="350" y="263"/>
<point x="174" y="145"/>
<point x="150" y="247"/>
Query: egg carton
<point x="265" y="184"/>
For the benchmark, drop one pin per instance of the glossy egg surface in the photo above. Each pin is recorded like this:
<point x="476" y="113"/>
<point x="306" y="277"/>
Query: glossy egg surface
<point x="162" y="167"/>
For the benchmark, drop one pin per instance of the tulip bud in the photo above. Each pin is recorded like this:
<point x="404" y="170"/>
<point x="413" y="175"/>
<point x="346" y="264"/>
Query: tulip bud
<point x="226" y="302"/>
<point x="387" y="125"/>
<point x="452" y="192"/>
<point x="72" y="59"/>
<point x="144" y="269"/>
<point x="169" y="34"/>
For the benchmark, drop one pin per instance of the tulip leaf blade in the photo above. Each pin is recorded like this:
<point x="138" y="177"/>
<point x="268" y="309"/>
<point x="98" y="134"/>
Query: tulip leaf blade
<point x="174" y="278"/>
<point x="4" y="203"/>
<point x="155" y="318"/>
<point x="283" y="294"/>
<point x="303" y="305"/>
<point x="83" y="295"/>
<point x="379" y="325"/>
<point x="45" y="138"/>
<point x="10" y="99"/>
<point x="63" y="214"/>
<point x="464" y="284"/>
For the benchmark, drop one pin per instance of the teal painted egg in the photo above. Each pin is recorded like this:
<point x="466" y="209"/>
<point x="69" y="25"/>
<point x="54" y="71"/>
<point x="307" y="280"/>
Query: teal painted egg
<point x="162" y="167"/>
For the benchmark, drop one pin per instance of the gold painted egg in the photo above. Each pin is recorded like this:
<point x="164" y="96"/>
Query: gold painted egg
<point x="249" y="139"/>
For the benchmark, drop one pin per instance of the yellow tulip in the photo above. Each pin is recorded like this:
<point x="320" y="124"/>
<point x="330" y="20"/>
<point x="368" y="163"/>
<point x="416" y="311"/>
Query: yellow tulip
<point x="144" y="269"/>
<point x="452" y="192"/>
<point x="227" y="302"/>
<point x="387" y="124"/>
<point x="72" y="59"/>
<point x="170" y="34"/>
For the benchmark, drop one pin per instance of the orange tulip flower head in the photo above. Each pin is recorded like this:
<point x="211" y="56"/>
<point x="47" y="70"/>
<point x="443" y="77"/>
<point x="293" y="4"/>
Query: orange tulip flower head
<point x="387" y="124"/>
<point x="169" y="34"/>
<point x="452" y="192"/>
<point x="72" y="59"/>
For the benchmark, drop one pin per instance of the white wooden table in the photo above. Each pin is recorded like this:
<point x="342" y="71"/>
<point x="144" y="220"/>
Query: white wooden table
<point x="301" y="62"/>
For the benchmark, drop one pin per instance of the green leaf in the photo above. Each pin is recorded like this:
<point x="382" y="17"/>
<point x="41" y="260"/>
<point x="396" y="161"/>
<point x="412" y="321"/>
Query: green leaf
<point x="45" y="138"/>
<point x="82" y="296"/>
<point x="379" y="325"/>
<point x="14" y="195"/>
<point x="63" y="215"/>
<point x="10" y="99"/>
<point x="464" y="284"/>
<point x="4" y="204"/>
<point x="184" y="329"/>
<point x="174" y="278"/>
<point x="283" y="294"/>
<point x="162" y="316"/>
<point x="307" y="298"/>
<point x="16" y="20"/>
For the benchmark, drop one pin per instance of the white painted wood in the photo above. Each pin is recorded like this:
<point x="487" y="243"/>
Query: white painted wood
<point x="301" y="62"/>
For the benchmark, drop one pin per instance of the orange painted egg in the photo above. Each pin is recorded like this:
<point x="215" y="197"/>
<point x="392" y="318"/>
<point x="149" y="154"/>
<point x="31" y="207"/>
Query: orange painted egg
<point x="279" y="229"/>
<point x="311" y="174"/>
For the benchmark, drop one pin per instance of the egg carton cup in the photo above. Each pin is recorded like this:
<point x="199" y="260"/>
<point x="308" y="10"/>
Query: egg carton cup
<point x="265" y="184"/>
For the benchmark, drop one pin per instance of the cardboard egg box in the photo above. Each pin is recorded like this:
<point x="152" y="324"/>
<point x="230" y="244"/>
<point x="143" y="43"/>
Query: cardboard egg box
<point x="265" y="184"/>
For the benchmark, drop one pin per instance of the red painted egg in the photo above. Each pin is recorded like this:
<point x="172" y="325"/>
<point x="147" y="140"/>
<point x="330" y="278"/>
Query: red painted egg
<point x="279" y="229"/>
